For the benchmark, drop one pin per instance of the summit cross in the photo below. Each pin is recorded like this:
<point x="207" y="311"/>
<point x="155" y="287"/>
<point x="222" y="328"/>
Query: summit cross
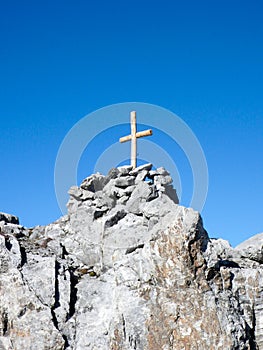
<point x="133" y="138"/>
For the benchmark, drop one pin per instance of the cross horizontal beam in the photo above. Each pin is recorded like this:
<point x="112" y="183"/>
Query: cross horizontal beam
<point x="138" y="134"/>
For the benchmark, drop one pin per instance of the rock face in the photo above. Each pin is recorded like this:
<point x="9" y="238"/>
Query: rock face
<point x="127" y="268"/>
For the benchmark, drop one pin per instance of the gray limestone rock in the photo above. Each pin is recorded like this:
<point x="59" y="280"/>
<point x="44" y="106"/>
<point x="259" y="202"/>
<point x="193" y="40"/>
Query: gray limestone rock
<point x="87" y="195"/>
<point x="101" y="199"/>
<point x="159" y="171"/>
<point x="162" y="180"/>
<point x="127" y="268"/>
<point x="141" y="176"/>
<point x="138" y="196"/>
<point x="252" y="248"/>
<point x="113" y="173"/>
<point x="171" y="193"/>
<point x="124" y="181"/>
<point x="94" y="183"/>
<point x="75" y="192"/>
<point x="140" y="168"/>
<point x="124" y="170"/>
<point x="8" y="218"/>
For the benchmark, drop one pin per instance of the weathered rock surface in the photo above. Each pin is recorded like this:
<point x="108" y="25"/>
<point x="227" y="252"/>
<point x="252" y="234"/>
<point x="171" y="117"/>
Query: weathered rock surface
<point x="127" y="268"/>
<point x="8" y="218"/>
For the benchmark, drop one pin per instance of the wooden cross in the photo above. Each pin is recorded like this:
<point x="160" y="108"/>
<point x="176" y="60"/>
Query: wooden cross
<point x="133" y="138"/>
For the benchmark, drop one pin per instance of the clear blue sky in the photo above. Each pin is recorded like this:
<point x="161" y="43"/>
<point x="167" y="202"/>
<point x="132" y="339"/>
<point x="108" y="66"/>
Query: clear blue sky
<point x="203" y="60"/>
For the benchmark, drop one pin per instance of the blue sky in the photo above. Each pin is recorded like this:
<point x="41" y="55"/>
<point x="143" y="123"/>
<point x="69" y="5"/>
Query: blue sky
<point x="61" y="60"/>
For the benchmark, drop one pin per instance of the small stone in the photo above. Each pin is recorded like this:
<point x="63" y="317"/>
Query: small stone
<point x="113" y="173"/>
<point x="118" y="192"/>
<point x="75" y="192"/>
<point x="252" y="248"/>
<point x="162" y="171"/>
<point x="9" y="219"/>
<point x="159" y="171"/>
<point x="124" y="170"/>
<point x="87" y="195"/>
<point x="102" y="200"/>
<point x="170" y="192"/>
<point x="125" y="181"/>
<point x="163" y="180"/>
<point x="140" y="168"/>
<point x="141" y="176"/>
<point x="94" y="183"/>
<point x="139" y="195"/>
<point x="114" y="218"/>
<point x="152" y="173"/>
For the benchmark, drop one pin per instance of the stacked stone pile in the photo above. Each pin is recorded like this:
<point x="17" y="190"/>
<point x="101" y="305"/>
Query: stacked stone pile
<point x="122" y="185"/>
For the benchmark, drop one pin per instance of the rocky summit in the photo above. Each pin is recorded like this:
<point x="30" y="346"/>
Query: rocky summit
<point x="127" y="268"/>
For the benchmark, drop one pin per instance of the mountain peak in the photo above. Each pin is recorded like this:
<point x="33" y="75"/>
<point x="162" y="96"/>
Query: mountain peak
<point x="127" y="268"/>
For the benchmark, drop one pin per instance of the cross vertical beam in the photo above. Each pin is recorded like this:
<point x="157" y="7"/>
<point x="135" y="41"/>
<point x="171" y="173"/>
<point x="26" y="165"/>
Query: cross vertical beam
<point x="133" y="138"/>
